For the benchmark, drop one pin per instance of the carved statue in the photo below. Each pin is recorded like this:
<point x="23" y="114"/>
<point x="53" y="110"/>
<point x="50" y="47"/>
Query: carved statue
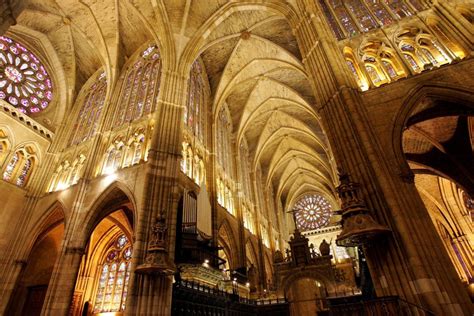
<point x="324" y="248"/>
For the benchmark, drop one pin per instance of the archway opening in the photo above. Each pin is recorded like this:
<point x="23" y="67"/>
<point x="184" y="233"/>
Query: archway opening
<point x="30" y="291"/>
<point x="104" y="274"/>
<point x="438" y="146"/>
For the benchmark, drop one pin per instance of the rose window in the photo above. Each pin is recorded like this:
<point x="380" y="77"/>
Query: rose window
<point x="24" y="81"/>
<point x="312" y="212"/>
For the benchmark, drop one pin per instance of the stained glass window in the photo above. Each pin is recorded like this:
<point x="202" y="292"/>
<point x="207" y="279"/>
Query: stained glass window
<point x="140" y="86"/>
<point x="7" y="175"/>
<point x="20" y="166"/>
<point x="381" y="12"/>
<point x="356" y="16"/>
<point x="193" y="113"/>
<point x="312" y="212"/>
<point x="24" y="81"/>
<point x="20" y="181"/>
<point x="363" y="16"/>
<point x="114" y="277"/>
<point x="89" y="115"/>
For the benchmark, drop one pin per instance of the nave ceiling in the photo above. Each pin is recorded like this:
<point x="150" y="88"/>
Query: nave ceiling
<point x="251" y="58"/>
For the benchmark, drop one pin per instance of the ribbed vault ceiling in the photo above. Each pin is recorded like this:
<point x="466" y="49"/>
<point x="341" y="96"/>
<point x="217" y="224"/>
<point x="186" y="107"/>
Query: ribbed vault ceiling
<point x="252" y="61"/>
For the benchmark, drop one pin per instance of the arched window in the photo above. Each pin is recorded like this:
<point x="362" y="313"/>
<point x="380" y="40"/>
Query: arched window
<point x="113" y="280"/>
<point x="224" y="143"/>
<point x="421" y="50"/>
<point x="265" y="236"/>
<point x="24" y="81"/>
<point x="311" y="212"/>
<point x="139" y="88"/>
<point x="195" y="103"/>
<point x="114" y="157"/>
<point x="248" y="219"/>
<point x="359" y="16"/>
<point x="355" y="69"/>
<point x="89" y="115"/>
<point x="20" y="166"/>
<point x="4" y="146"/>
<point x="245" y="170"/>
<point x="67" y="174"/>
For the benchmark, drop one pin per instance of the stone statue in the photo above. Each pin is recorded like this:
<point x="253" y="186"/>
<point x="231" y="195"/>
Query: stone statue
<point x="324" y="248"/>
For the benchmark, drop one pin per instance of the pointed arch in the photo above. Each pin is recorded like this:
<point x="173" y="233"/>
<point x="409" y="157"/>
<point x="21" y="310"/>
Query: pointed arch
<point x="227" y="237"/>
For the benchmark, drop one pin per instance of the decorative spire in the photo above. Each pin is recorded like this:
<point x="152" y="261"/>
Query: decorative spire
<point x="358" y="226"/>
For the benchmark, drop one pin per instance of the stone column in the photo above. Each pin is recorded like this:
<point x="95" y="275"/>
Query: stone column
<point x="412" y="263"/>
<point x="150" y="293"/>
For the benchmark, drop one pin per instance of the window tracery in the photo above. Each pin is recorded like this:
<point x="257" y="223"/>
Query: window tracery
<point x="112" y="287"/>
<point x="20" y="166"/>
<point x="67" y="174"/>
<point x="192" y="164"/>
<point x="195" y="103"/>
<point x="311" y="212"/>
<point x="352" y="17"/>
<point x="24" y="81"/>
<point x="248" y="219"/>
<point x="114" y="156"/>
<point x="224" y="160"/>
<point x="88" y="119"/>
<point x="4" y="146"/>
<point x="139" y="89"/>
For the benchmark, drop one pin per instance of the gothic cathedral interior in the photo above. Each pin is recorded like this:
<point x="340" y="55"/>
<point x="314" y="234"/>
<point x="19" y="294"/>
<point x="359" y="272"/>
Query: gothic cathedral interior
<point x="236" y="157"/>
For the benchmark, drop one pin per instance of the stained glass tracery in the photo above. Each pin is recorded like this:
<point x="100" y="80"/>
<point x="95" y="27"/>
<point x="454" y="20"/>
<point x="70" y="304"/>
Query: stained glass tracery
<point x="140" y="85"/>
<point x="24" y="81"/>
<point x="114" y="277"/>
<point x="89" y="115"/>
<point x="312" y="212"/>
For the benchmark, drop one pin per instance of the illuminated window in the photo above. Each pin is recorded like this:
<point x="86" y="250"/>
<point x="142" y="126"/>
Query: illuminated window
<point x="89" y="115"/>
<point x="193" y="113"/>
<point x="67" y="174"/>
<point x="312" y="212"/>
<point x="114" y="157"/>
<point x="24" y="81"/>
<point x="245" y="170"/>
<point x="113" y="280"/>
<point x="248" y="219"/>
<point x="351" y="17"/>
<point x="224" y="160"/>
<point x="20" y="166"/>
<point x="139" y="87"/>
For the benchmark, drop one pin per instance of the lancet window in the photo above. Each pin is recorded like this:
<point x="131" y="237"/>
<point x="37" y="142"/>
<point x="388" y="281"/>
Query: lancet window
<point x="114" y="156"/>
<point x="422" y="50"/>
<point x="136" y="150"/>
<point x="347" y="18"/>
<point x="224" y="159"/>
<point x="114" y="276"/>
<point x="4" y="146"/>
<point x="192" y="164"/>
<point x="249" y="221"/>
<point x="89" y="115"/>
<point x="19" y="168"/>
<point x="265" y="236"/>
<point x="311" y="212"/>
<point x="67" y="174"/>
<point x="139" y="88"/>
<point x="24" y="81"/>
<point x="195" y="104"/>
<point x="245" y="170"/>
<point x="381" y="63"/>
